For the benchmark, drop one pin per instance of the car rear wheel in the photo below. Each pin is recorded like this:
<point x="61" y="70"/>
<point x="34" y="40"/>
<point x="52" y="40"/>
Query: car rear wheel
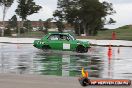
<point x="81" y="49"/>
<point x="45" y="47"/>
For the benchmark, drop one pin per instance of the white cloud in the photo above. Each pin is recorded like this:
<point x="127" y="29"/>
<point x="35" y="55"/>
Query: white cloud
<point x="122" y="16"/>
<point x="121" y="1"/>
<point x="43" y="14"/>
<point x="46" y="12"/>
<point x="10" y="11"/>
<point x="118" y="1"/>
<point x="122" y="7"/>
<point x="48" y="7"/>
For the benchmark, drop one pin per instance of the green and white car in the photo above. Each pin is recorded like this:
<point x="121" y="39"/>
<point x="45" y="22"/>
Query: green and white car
<point x="61" y="41"/>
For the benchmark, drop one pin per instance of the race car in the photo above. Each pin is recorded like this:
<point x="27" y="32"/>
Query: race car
<point x="61" y="41"/>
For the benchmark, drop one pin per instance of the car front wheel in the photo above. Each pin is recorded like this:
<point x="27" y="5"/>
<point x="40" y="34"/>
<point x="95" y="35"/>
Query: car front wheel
<point x="81" y="49"/>
<point x="45" y="47"/>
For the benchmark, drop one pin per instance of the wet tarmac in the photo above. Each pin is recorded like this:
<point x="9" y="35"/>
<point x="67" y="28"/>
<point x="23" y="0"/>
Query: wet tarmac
<point x="25" y="59"/>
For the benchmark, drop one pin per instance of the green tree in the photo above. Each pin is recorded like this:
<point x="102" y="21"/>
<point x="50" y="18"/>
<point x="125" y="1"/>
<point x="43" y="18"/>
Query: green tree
<point x="47" y="24"/>
<point x="26" y="8"/>
<point x="41" y="25"/>
<point x="58" y="17"/>
<point x="7" y="32"/>
<point x="111" y="21"/>
<point x="28" y="26"/>
<point x="60" y="26"/>
<point x="87" y="15"/>
<point x="13" y="22"/>
<point x="5" y="4"/>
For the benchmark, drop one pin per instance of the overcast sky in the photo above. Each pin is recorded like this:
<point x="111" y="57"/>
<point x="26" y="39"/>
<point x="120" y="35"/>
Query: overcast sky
<point x="123" y="11"/>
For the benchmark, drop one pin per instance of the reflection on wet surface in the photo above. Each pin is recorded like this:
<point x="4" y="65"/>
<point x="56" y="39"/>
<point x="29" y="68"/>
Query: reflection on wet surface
<point x="25" y="59"/>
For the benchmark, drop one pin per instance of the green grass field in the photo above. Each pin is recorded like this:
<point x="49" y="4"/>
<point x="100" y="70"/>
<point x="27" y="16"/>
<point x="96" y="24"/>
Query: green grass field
<point x="34" y="34"/>
<point x="122" y="33"/>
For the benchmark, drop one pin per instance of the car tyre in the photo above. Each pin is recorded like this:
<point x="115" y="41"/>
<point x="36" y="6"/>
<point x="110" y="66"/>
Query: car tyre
<point x="45" y="47"/>
<point x="81" y="49"/>
<point x="86" y="49"/>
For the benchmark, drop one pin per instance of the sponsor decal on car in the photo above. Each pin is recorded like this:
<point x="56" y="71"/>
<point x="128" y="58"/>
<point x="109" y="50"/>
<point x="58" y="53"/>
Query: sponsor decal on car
<point x="66" y="46"/>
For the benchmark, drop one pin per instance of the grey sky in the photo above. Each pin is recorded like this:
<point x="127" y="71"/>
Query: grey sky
<point x="121" y="1"/>
<point x="122" y="7"/>
<point x="123" y="12"/>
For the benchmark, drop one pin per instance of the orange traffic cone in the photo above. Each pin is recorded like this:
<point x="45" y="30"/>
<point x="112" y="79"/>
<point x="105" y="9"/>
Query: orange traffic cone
<point x="109" y="53"/>
<point x="113" y="35"/>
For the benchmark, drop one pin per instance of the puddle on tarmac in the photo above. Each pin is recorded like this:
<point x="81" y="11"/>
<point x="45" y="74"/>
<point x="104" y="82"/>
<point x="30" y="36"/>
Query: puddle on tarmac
<point x="25" y="59"/>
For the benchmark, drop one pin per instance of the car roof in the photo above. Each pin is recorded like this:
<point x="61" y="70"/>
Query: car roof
<point x="59" y="33"/>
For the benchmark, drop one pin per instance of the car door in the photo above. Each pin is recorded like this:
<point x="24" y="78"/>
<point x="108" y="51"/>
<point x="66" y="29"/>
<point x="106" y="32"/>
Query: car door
<point x="72" y="41"/>
<point x="67" y="42"/>
<point x="66" y="45"/>
<point x="54" y="42"/>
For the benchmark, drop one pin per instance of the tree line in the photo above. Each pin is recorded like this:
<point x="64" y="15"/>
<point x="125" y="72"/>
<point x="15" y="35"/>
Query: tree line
<point x="86" y="16"/>
<point x="24" y="9"/>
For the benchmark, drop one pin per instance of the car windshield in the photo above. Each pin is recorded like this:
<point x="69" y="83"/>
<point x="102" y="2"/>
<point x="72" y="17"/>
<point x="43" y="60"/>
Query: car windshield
<point x="72" y="38"/>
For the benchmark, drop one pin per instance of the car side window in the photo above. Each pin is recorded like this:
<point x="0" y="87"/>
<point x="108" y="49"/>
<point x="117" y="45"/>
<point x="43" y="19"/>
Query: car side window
<point x="53" y="37"/>
<point x="64" y="37"/>
<point x="68" y="38"/>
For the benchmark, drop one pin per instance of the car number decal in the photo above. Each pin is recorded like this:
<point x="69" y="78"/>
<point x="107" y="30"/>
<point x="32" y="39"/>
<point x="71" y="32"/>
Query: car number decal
<point x="66" y="46"/>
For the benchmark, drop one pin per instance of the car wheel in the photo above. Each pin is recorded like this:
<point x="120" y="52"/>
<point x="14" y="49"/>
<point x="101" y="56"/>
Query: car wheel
<point x="45" y="47"/>
<point x="86" y="49"/>
<point x="81" y="49"/>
